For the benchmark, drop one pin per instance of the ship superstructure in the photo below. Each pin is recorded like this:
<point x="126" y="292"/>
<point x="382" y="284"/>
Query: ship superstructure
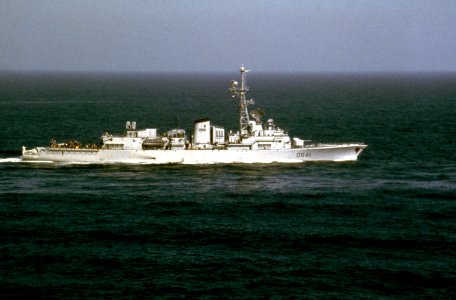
<point x="254" y="142"/>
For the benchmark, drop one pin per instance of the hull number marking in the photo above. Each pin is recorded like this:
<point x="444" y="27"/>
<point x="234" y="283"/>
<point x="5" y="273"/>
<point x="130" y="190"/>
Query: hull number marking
<point x="303" y="154"/>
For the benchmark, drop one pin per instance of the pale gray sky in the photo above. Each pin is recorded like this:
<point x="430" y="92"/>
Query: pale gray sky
<point x="211" y="35"/>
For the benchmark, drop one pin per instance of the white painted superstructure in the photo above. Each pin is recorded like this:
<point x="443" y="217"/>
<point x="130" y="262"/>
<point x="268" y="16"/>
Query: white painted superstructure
<point x="255" y="142"/>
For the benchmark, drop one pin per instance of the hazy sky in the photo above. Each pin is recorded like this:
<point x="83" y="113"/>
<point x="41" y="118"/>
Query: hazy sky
<point x="211" y="35"/>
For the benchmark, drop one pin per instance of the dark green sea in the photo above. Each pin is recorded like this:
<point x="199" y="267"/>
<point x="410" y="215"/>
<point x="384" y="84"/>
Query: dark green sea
<point x="381" y="227"/>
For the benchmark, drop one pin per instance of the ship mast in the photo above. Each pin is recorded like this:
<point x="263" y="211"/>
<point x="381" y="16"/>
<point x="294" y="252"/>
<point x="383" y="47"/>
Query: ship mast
<point x="240" y="93"/>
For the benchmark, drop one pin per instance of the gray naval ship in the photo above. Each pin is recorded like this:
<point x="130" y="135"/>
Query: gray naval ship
<point x="255" y="142"/>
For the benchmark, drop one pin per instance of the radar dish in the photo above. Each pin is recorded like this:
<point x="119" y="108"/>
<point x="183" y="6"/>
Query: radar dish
<point x="257" y="114"/>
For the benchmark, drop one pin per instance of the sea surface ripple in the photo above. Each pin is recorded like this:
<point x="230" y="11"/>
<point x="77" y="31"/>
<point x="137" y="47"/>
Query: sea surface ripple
<point x="381" y="227"/>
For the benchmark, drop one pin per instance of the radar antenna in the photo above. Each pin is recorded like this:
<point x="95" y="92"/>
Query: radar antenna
<point x="239" y="92"/>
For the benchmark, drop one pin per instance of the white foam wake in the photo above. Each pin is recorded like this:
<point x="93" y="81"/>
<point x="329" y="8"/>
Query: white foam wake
<point x="10" y="160"/>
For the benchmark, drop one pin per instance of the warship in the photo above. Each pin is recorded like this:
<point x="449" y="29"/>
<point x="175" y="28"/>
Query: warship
<point x="255" y="142"/>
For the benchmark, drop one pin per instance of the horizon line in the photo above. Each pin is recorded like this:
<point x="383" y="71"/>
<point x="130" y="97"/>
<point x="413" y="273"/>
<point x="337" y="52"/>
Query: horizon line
<point x="164" y="72"/>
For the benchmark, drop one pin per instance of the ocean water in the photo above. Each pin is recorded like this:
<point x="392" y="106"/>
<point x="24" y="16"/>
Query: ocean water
<point x="381" y="227"/>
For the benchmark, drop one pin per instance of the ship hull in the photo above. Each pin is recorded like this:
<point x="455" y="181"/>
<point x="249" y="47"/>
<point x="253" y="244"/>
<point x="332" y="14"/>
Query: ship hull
<point x="345" y="152"/>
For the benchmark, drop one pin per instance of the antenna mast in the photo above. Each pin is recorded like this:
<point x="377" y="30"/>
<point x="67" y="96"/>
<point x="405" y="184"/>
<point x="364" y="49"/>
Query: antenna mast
<point x="240" y="92"/>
